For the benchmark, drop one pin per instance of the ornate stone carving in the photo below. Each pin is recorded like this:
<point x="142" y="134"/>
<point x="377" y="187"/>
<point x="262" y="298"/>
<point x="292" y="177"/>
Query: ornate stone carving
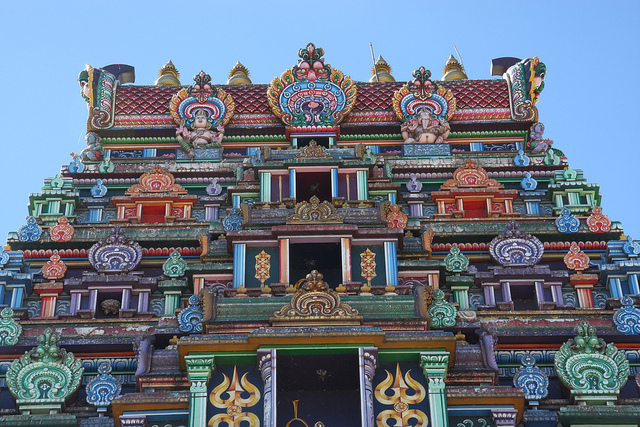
<point x="314" y="212"/>
<point x="470" y="176"/>
<point x="442" y="314"/>
<point x="575" y="259"/>
<point x="521" y="159"/>
<point x="414" y="186"/>
<point x="62" y="231"/>
<point x="98" y="88"/>
<point x="396" y="218"/>
<point x="631" y="247"/>
<point x="538" y="143"/>
<point x="525" y="81"/>
<point x="10" y="330"/>
<point x="99" y="190"/>
<point x="262" y="267"/>
<point x="312" y="95"/>
<point x="115" y="254"/>
<point x="30" y="232"/>
<point x="174" y="266"/>
<point x="41" y="379"/>
<point x="593" y="370"/>
<point x="368" y="265"/>
<point x="54" y="268"/>
<point x="313" y="151"/>
<point x="4" y="257"/>
<point x="401" y="394"/>
<point x="528" y="183"/>
<point x="314" y="304"/>
<point x="190" y="319"/>
<point x="455" y="261"/>
<point x="214" y="189"/>
<point x="234" y="396"/>
<point x="598" y="222"/>
<point x="515" y="248"/>
<point x="567" y="222"/>
<point x="156" y="181"/>
<point x="627" y="319"/>
<point x="233" y="221"/>
<point x="110" y="306"/>
<point x="103" y="389"/>
<point x="531" y="380"/>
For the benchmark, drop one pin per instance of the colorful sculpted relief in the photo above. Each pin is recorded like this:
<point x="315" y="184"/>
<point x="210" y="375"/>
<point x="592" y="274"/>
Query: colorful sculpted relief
<point x="402" y="393"/>
<point x="98" y="88"/>
<point x="425" y="109"/>
<point x="526" y="82"/>
<point x="198" y="110"/>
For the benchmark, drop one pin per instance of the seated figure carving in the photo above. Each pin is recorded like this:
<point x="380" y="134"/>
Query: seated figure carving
<point x="425" y="129"/>
<point x="201" y="135"/>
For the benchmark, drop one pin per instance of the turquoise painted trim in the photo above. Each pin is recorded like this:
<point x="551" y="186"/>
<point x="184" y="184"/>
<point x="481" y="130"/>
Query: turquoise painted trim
<point x="292" y="183"/>
<point x="391" y="263"/>
<point x="361" y="177"/>
<point x="334" y="182"/>
<point x="236" y="201"/>
<point x="239" y="263"/>
<point x="265" y="187"/>
<point x="392" y="198"/>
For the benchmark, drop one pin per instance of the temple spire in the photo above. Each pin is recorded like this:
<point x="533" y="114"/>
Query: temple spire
<point x="239" y="75"/>
<point x="383" y="70"/>
<point x="168" y="75"/>
<point x="453" y="70"/>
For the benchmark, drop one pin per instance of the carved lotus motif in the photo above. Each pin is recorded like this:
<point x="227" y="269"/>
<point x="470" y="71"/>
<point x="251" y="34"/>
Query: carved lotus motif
<point x="515" y="248"/>
<point x="115" y="254"/>
<point x="576" y="259"/>
<point x="315" y="212"/>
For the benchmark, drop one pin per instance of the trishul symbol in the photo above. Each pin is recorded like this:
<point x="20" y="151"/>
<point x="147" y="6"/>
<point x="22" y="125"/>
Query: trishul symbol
<point x="233" y="395"/>
<point x="400" y="399"/>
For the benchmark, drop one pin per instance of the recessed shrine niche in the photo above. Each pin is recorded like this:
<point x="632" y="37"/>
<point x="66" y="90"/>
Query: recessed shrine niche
<point x="318" y="388"/>
<point x="324" y="257"/>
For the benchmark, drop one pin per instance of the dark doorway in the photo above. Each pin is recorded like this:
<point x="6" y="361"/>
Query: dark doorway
<point x="324" y="257"/>
<point x="321" y="387"/>
<point x="524" y="297"/>
<point x="320" y="140"/>
<point x="309" y="184"/>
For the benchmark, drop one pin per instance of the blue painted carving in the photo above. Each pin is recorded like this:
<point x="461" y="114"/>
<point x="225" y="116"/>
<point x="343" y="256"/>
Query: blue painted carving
<point x="521" y="159"/>
<point x="214" y="189"/>
<point x="566" y="222"/>
<point x="115" y="254"/>
<point x="528" y="183"/>
<point x="233" y="221"/>
<point x="30" y="232"/>
<point x="103" y="389"/>
<point x="4" y="257"/>
<point x="190" y="319"/>
<point x="631" y="247"/>
<point x="200" y="154"/>
<point x="515" y="248"/>
<point x="531" y="380"/>
<point x="627" y="319"/>
<point x="76" y="165"/>
<point x="98" y="190"/>
<point x="414" y="186"/>
<point x="426" y="150"/>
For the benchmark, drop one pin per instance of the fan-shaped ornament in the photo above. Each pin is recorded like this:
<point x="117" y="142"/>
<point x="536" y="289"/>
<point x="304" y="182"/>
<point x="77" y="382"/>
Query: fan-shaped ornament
<point x="514" y="248"/>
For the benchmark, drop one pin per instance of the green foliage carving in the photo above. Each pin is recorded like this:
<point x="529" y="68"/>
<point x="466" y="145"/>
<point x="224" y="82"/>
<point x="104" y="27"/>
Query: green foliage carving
<point x="45" y="376"/>
<point x="587" y="365"/>
<point x="10" y="330"/>
<point x="442" y="314"/>
<point x="455" y="261"/>
<point x="175" y="266"/>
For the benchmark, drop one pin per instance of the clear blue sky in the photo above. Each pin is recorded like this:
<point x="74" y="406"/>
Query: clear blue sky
<point x="589" y="105"/>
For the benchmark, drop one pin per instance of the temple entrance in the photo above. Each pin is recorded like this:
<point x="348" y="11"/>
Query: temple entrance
<point x="324" y="257"/>
<point x="319" y="387"/>
<point x="309" y="184"/>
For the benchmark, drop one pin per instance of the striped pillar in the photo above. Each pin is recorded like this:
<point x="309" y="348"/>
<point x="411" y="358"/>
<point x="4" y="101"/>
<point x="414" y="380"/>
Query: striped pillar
<point x="265" y="187"/>
<point x="292" y="183"/>
<point x="345" y="246"/>
<point x="391" y="263"/>
<point x="392" y="199"/>
<point x="236" y="201"/>
<point x="362" y="185"/>
<point x="239" y="264"/>
<point x="284" y="260"/>
<point x="334" y="182"/>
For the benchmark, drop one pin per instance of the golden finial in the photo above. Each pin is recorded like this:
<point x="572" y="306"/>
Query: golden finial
<point x="239" y="75"/>
<point x="168" y="75"/>
<point x="453" y="70"/>
<point x="384" y="71"/>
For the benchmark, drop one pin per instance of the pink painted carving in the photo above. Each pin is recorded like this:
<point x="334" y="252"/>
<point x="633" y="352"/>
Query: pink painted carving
<point x="576" y="259"/>
<point x="54" y="268"/>
<point x="597" y="222"/>
<point x="396" y="218"/>
<point x="63" y="231"/>
<point x="470" y="176"/>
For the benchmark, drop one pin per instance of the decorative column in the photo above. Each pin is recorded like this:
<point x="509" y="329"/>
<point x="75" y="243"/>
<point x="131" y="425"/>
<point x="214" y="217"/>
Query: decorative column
<point x="434" y="364"/>
<point x="583" y="284"/>
<point x="174" y="268"/>
<point x="504" y="417"/>
<point x="292" y="183"/>
<point x="362" y="185"/>
<point x="265" y="187"/>
<point x="284" y="260"/>
<point x="334" y="182"/>
<point x="239" y="263"/>
<point x="199" y="368"/>
<point x="391" y="263"/>
<point x="267" y="366"/>
<point x="49" y="293"/>
<point x="345" y="250"/>
<point x="368" y="362"/>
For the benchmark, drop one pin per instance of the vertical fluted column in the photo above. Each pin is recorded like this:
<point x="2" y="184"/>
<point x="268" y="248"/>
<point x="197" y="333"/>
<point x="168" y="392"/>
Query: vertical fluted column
<point x="267" y="366"/>
<point x="368" y="361"/>
<point x="199" y="368"/>
<point x="434" y="364"/>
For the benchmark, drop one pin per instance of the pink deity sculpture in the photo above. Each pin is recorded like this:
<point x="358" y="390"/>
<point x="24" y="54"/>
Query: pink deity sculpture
<point x="425" y="129"/>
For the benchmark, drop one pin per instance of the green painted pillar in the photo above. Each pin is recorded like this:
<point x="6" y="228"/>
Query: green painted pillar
<point x="434" y="364"/>
<point x="172" y="290"/>
<point x="265" y="187"/>
<point x="199" y="368"/>
<point x="460" y="285"/>
<point x="362" y="185"/>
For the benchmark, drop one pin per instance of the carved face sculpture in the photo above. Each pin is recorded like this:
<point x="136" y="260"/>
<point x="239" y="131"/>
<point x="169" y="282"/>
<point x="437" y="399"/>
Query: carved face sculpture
<point x="201" y="120"/>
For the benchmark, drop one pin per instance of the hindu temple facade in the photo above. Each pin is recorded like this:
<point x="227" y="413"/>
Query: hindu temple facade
<point x="319" y="251"/>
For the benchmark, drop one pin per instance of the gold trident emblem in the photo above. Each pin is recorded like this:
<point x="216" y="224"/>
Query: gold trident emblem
<point x="229" y="395"/>
<point x="400" y="400"/>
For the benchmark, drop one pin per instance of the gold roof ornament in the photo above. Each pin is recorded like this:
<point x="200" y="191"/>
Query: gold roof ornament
<point x="384" y="71"/>
<point x="453" y="70"/>
<point x="239" y="75"/>
<point x="168" y="75"/>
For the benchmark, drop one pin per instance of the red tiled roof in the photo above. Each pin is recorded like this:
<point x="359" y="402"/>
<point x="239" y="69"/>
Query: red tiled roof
<point x="249" y="99"/>
<point x="144" y="99"/>
<point x="479" y="93"/>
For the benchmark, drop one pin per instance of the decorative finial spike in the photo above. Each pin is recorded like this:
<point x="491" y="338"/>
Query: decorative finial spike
<point x="453" y="70"/>
<point x="168" y="75"/>
<point x="239" y="75"/>
<point x="383" y="71"/>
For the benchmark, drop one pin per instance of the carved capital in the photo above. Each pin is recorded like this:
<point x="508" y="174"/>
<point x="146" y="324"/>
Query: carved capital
<point x="199" y="368"/>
